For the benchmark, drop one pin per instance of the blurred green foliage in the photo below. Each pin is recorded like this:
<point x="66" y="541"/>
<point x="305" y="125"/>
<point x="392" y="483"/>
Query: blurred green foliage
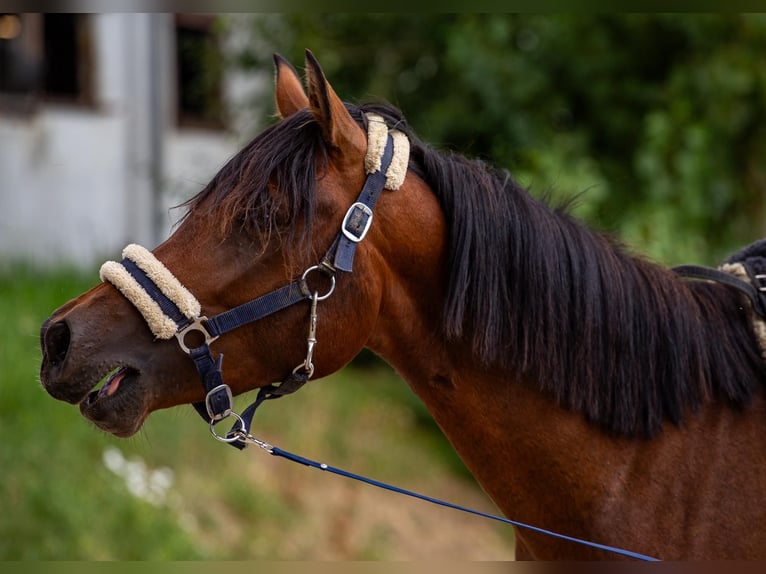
<point x="655" y="122"/>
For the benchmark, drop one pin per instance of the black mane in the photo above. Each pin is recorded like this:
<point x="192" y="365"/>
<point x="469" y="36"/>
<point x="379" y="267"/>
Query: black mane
<point x="608" y="334"/>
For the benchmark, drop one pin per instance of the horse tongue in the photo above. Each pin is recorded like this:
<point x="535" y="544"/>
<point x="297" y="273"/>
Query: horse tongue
<point x="112" y="383"/>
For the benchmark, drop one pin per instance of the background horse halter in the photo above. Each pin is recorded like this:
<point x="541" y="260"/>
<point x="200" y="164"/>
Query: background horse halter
<point x="171" y="310"/>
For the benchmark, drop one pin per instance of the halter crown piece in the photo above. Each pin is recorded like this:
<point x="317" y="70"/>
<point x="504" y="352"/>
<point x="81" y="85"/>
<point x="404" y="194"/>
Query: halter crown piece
<point x="170" y="309"/>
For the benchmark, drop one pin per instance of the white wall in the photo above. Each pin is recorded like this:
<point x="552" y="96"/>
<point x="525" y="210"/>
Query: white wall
<point x="61" y="187"/>
<point x="75" y="183"/>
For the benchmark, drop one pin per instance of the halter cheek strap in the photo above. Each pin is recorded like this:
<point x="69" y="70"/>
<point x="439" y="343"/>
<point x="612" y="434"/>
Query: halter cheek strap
<point x="169" y="309"/>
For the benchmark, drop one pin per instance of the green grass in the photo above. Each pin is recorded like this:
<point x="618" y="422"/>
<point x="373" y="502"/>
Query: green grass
<point x="60" y="501"/>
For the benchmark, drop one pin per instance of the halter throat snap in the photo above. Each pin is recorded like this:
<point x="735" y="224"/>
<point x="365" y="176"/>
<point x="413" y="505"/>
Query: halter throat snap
<point x="170" y="309"/>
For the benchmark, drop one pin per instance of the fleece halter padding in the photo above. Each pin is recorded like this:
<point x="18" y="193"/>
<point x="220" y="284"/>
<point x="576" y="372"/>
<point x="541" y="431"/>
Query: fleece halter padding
<point x="377" y="135"/>
<point x="161" y="324"/>
<point x="749" y="265"/>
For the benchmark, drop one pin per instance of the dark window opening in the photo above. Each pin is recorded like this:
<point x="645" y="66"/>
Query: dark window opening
<point x="199" y="72"/>
<point x="62" y="64"/>
<point x="45" y="56"/>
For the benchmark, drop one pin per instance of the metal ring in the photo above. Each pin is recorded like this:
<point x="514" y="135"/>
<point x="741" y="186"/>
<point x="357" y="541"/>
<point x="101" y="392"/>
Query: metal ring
<point x="195" y="326"/>
<point x="308" y="369"/>
<point x="232" y="438"/>
<point x="305" y="288"/>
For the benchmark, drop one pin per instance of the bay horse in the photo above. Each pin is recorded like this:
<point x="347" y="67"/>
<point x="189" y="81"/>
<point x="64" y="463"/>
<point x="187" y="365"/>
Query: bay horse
<point x="588" y="390"/>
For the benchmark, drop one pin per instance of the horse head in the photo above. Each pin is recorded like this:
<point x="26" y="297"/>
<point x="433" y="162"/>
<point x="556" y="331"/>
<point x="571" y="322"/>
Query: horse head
<point x="263" y="222"/>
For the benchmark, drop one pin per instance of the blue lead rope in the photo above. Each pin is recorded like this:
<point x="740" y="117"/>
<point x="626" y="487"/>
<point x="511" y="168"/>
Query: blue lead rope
<point x="340" y="472"/>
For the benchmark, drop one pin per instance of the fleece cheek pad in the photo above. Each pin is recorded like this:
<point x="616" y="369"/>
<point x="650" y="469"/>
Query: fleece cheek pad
<point x="377" y="134"/>
<point x="162" y="325"/>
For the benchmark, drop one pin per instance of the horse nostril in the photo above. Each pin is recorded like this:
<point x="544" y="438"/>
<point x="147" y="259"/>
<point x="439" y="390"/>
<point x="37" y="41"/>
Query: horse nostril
<point x="56" y="342"/>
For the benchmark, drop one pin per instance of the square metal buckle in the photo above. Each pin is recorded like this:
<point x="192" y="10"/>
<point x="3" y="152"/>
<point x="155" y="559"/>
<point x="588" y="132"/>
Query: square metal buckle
<point x="216" y="416"/>
<point x="357" y="210"/>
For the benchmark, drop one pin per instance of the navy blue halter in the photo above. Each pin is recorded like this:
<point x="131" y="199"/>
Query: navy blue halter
<point x="339" y="257"/>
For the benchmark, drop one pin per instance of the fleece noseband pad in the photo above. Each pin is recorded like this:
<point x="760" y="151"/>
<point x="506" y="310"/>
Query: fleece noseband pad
<point x="140" y="271"/>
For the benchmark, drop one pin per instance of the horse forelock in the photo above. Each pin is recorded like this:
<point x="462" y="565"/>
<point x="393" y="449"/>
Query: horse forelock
<point x="269" y="187"/>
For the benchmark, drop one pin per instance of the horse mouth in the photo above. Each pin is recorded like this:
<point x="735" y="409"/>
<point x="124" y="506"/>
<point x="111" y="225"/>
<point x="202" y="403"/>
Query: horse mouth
<point x="116" y="405"/>
<point x="111" y="384"/>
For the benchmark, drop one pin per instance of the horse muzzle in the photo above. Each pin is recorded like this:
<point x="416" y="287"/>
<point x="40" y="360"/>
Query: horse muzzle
<point x="55" y="341"/>
<point x="107" y="372"/>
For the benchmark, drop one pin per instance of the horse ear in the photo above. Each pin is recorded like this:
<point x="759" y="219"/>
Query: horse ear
<point x="289" y="93"/>
<point x="338" y="127"/>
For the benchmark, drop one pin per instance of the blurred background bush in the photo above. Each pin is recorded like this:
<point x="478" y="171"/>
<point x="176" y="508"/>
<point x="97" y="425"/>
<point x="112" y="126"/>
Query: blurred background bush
<point x="654" y="121"/>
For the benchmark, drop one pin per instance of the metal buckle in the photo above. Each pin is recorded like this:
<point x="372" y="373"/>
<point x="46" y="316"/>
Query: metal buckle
<point x="195" y="325"/>
<point x="214" y="416"/>
<point x="349" y="233"/>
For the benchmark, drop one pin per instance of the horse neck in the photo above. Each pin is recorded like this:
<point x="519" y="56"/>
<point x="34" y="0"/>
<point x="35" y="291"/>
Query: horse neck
<point x="499" y="427"/>
<point x="540" y="462"/>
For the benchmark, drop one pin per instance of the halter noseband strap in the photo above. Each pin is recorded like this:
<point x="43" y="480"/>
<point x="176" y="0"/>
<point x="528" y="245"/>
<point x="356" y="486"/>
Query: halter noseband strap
<point x="171" y="310"/>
